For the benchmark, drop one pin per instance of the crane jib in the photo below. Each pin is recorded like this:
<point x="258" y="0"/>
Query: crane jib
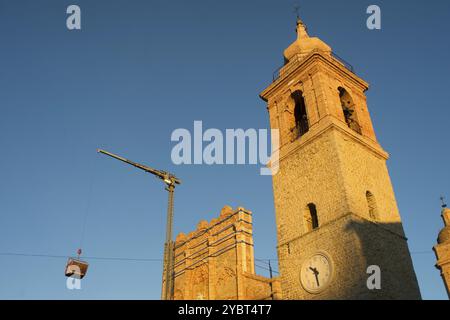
<point x="163" y="175"/>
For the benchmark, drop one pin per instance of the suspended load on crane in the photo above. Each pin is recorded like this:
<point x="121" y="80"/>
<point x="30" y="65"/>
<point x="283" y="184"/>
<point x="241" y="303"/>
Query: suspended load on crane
<point x="76" y="268"/>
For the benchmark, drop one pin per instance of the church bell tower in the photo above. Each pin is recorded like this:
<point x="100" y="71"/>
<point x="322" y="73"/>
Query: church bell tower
<point x="339" y="232"/>
<point x="442" y="248"/>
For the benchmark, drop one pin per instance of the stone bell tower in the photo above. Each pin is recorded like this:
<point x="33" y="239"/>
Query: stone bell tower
<point x="340" y="235"/>
<point x="442" y="249"/>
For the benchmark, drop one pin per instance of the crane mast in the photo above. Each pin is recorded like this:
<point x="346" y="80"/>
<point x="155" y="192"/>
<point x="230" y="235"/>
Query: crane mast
<point x="171" y="181"/>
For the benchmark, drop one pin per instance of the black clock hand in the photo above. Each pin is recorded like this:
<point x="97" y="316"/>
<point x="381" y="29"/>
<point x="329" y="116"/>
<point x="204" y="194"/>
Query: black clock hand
<point x="314" y="270"/>
<point x="317" y="278"/>
<point x="316" y="274"/>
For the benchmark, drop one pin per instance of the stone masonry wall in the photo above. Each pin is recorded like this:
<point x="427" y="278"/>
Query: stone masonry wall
<point x="216" y="262"/>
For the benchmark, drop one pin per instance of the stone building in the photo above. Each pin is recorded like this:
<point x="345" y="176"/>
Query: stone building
<point x="216" y="261"/>
<point x="337" y="222"/>
<point x="442" y="249"/>
<point x="336" y="213"/>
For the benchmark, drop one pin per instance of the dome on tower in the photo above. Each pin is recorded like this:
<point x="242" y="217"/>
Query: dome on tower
<point x="444" y="235"/>
<point x="304" y="44"/>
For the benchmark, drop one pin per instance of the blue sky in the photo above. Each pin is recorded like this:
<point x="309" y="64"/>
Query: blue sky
<point x="140" y="69"/>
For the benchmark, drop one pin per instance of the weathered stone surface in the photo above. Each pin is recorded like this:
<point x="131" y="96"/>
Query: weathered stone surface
<point x="339" y="166"/>
<point x="217" y="262"/>
<point x="336" y="167"/>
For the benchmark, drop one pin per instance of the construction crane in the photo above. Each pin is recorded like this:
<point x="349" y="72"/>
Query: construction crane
<point x="171" y="181"/>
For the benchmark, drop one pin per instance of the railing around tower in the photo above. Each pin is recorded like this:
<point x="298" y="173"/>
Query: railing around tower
<point x="345" y="63"/>
<point x="277" y="72"/>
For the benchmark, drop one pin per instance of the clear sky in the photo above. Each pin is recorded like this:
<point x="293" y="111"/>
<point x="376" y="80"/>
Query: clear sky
<point x="140" y="69"/>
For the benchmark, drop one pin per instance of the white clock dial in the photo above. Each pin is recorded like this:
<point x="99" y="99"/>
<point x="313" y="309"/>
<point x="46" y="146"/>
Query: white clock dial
<point x="316" y="272"/>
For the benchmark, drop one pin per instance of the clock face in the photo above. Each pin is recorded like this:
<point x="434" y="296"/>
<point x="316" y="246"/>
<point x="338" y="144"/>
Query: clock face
<point x="316" y="272"/>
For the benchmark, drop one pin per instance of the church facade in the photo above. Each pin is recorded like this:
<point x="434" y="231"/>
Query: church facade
<point x="336" y="214"/>
<point x="216" y="261"/>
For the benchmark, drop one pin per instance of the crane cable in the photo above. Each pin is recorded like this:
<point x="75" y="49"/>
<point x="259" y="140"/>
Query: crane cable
<point x="88" y="205"/>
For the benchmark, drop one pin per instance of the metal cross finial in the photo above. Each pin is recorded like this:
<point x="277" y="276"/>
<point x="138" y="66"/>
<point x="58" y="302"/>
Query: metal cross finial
<point x="444" y="205"/>
<point x="297" y="10"/>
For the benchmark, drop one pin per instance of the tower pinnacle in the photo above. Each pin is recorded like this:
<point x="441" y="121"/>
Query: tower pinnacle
<point x="304" y="44"/>
<point x="302" y="29"/>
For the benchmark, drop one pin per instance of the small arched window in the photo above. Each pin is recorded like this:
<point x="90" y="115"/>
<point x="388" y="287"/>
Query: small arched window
<point x="372" y="205"/>
<point x="348" y="108"/>
<point x="311" y="218"/>
<point x="301" y="117"/>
